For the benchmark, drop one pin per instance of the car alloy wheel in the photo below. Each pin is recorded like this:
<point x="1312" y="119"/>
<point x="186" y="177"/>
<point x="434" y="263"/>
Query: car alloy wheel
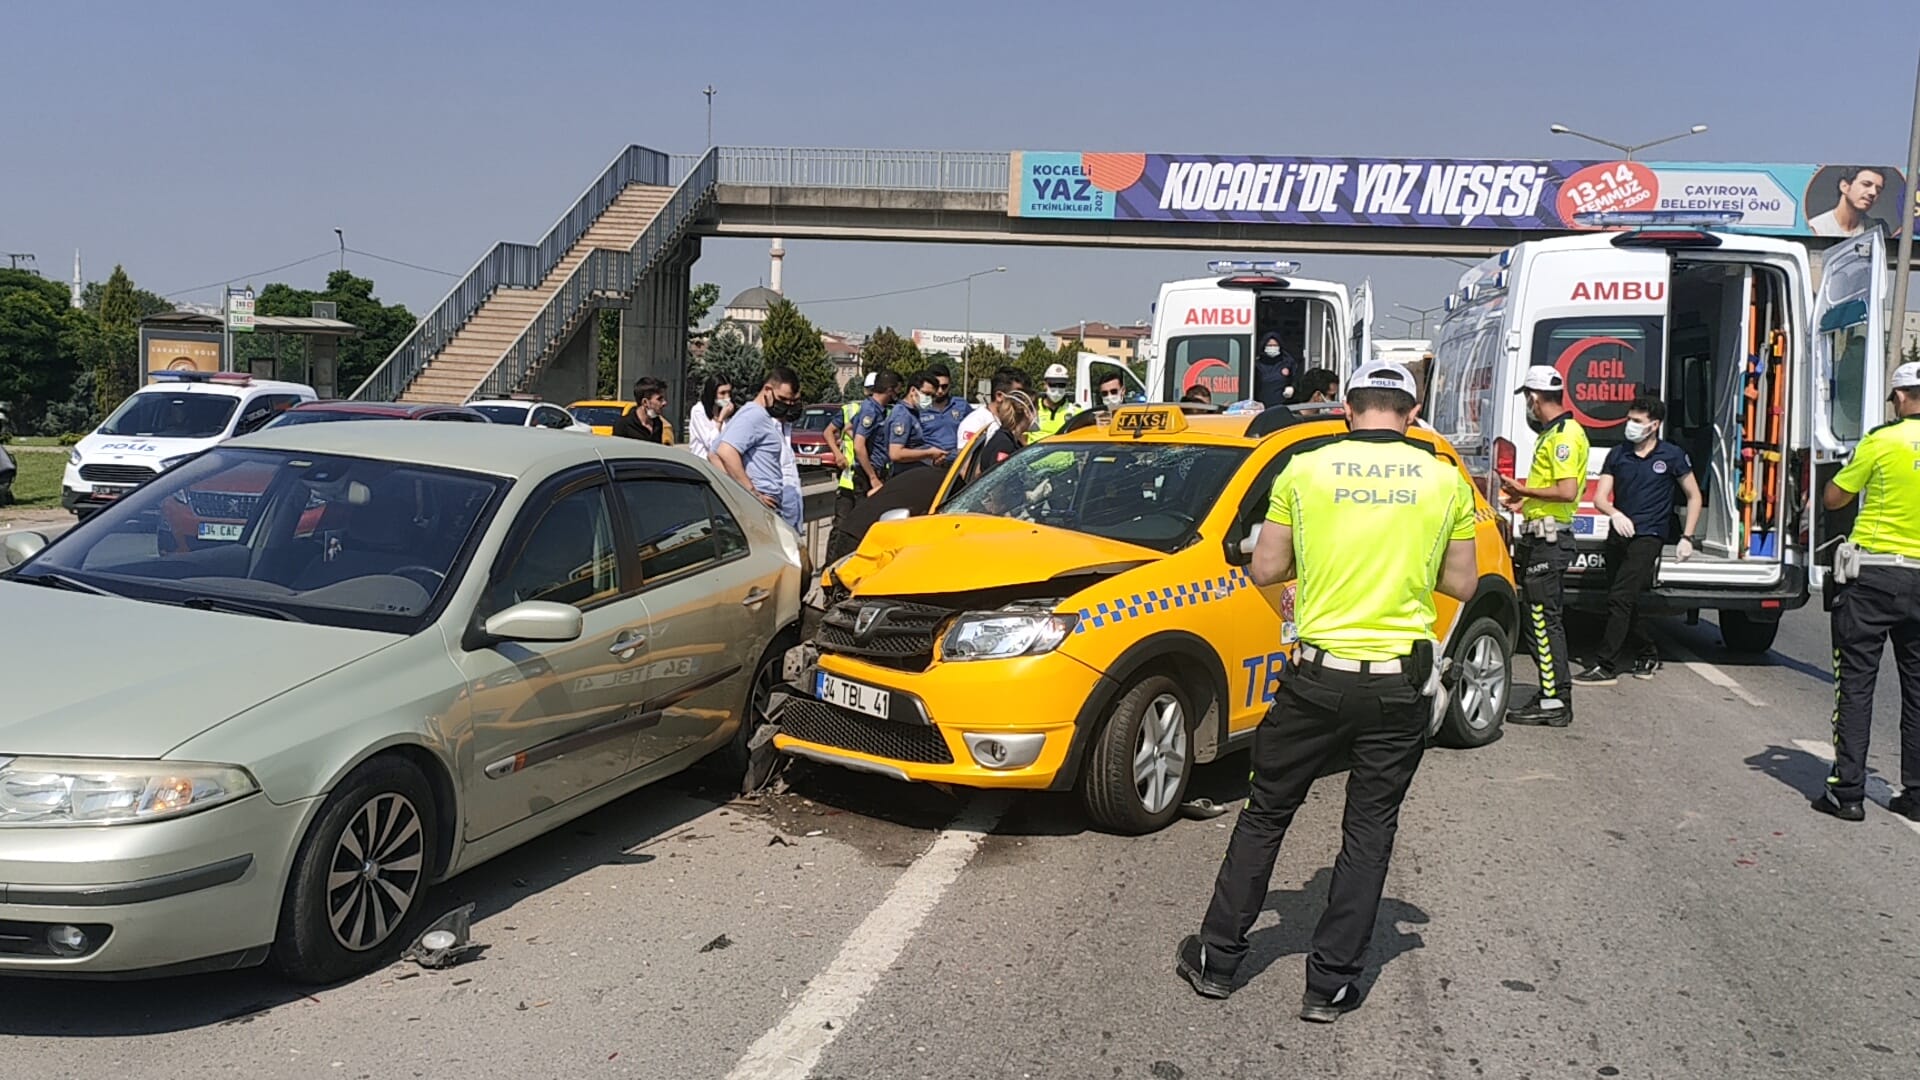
<point x="376" y="872"/>
<point x="1483" y="684"/>
<point x="1160" y="753"/>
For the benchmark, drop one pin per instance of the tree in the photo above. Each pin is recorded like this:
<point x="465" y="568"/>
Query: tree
<point x="789" y="339"/>
<point x="145" y="303"/>
<point x="382" y="326"/>
<point x="731" y="359"/>
<point x="1035" y="357"/>
<point x="978" y="360"/>
<point x="113" y="355"/>
<point x="700" y="300"/>
<point x="886" y="350"/>
<point x="38" y="357"/>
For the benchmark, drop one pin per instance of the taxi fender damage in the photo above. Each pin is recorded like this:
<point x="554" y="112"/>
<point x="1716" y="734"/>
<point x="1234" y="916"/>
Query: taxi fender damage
<point x="1181" y="655"/>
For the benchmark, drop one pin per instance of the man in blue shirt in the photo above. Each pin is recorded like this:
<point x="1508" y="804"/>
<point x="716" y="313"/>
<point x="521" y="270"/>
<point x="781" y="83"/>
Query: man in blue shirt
<point x="1639" y="484"/>
<point x="940" y="411"/>
<point x="754" y="444"/>
<point x="907" y="443"/>
<point x="870" y="457"/>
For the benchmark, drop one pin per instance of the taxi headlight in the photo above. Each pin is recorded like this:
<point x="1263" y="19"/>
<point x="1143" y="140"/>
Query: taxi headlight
<point x="74" y="791"/>
<point x="993" y="635"/>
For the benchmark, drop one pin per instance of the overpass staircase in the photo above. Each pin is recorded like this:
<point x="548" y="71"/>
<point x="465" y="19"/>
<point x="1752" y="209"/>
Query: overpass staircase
<point x="508" y="318"/>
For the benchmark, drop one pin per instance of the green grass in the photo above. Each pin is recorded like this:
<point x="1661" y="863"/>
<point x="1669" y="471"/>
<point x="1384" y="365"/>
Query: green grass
<point x="38" y="482"/>
<point x="35" y="440"/>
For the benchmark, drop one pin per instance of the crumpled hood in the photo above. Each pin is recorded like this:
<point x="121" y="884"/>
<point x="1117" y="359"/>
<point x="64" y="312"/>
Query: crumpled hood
<point x="948" y="553"/>
<point x="98" y="676"/>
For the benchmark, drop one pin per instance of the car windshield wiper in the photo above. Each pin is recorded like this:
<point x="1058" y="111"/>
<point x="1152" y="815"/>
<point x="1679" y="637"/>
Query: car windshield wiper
<point x="238" y="607"/>
<point x="60" y="581"/>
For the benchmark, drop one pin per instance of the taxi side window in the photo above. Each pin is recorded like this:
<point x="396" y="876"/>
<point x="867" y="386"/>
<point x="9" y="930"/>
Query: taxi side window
<point x="1253" y="509"/>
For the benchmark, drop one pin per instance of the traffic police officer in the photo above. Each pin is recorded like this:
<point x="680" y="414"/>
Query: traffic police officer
<point x="1544" y="549"/>
<point x="1374" y="522"/>
<point x="845" y="498"/>
<point x="1876" y="593"/>
<point x="1055" y="409"/>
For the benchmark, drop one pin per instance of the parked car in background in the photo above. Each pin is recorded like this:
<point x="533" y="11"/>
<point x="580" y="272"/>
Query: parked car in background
<point x="425" y="645"/>
<point x="810" y="447"/>
<point x="529" y="412"/>
<point x="167" y="422"/>
<point x="599" y="415"/>
<point x="322" y="412"/>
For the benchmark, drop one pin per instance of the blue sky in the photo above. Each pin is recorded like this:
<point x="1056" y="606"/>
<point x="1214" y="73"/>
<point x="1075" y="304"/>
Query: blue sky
<point x="197" y="141"/>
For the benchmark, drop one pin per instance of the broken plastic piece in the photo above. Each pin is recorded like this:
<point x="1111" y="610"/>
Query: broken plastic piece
<point x="445" y="943"/>
<point x="721" y="942"/>
<point x="1202" y="809"/>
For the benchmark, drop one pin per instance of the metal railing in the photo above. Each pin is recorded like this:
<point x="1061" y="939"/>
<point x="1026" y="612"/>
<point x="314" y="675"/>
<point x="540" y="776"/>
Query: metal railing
<point x="510" y="265"/>
<point x="899" y="170"/>
<point x="603" y="278"/>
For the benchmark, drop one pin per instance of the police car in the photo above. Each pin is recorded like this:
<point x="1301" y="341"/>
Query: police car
<point x="1081" y="617"/>
<point x="166" y="422"/>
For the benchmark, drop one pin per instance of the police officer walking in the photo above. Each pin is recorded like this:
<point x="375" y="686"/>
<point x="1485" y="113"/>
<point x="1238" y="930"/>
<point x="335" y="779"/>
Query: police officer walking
<point x="1875" y="593"/>
<point x="1544" y="549"/>
<point x="1373" y="523"/>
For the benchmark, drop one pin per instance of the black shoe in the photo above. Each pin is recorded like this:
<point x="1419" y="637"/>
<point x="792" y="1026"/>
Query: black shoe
<point x="1844" y="809"/>
<point x="1318" y="1008"/>
<point x="1535" y="715"/>
<point x="1906" y="804"/>
<point x="1645" y="667"/>
<point x="1191" y="963"/>
<point x="1597" y="676"/>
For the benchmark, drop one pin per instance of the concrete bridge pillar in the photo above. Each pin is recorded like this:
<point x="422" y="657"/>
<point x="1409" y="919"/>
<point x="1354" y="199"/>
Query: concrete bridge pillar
<point x="653" y="328"/>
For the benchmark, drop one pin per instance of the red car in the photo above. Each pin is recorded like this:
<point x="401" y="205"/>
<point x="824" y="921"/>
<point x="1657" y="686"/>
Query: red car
<point x="318" y="412"/>
<point x="810" y="446"/>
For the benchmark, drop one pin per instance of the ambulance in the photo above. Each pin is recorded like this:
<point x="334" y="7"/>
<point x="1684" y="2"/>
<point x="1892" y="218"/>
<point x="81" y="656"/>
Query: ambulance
<point x="1769" y="384"/>
<point x="1206" y="331"/>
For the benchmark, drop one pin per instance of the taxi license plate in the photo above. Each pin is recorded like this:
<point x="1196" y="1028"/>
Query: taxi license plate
<point x="851" y="695"/>
<point x="216" y="530"/>
<point x="110" y="491"/>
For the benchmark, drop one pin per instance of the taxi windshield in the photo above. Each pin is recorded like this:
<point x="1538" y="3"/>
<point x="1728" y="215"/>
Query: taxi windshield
<point x="1151" y="494"/>
<point x="595" y="415"/>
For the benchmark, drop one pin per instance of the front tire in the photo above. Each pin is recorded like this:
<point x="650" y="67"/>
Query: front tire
<point x="732" y="760"/>
<point x="356" y="894"/>
<point x="1745" y="634"/>
<point x="1141" y="759"/>
<point x="1482" y="686"/>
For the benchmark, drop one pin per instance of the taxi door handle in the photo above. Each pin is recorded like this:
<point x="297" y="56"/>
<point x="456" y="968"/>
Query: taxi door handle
<point x="756" y="595"/>
<point x="627" y="644"/>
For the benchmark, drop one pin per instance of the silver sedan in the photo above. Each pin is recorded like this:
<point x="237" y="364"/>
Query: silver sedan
<point x="259" y="705"/>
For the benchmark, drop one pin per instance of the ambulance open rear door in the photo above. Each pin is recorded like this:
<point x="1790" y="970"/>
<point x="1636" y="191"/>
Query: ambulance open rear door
<point x="1849" y="377"/>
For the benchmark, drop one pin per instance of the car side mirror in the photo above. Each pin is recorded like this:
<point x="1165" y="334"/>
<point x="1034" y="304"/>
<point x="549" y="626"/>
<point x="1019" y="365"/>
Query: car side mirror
<point x="535" y="620"/>
<point x="1240" y="548"/>
<point x="898" y="513"/>
<point x="19" y="547"/>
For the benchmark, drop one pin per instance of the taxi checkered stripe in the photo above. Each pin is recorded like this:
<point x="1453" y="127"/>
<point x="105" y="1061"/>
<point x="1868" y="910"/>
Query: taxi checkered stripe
<point x="1153" y="601"/>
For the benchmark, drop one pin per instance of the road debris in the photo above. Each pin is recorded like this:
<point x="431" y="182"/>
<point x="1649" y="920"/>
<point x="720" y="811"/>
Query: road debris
<point x="447" y="942"/>
<point x="721" y="942"/>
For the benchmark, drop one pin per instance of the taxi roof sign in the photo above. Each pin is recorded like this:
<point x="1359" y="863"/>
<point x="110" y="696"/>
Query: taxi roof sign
<point x="1139" y="420"/>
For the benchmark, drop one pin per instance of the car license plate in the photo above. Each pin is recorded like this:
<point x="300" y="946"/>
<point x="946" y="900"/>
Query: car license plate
<point x="851" y="695"/>
<point x="110" y="491"/>
<point x="807" y="459"/>
<point x="219" y="530"/>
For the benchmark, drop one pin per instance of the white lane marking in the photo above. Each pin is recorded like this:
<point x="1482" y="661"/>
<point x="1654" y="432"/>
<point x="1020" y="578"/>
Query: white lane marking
<point x="1715" y="676"/>
<point x="1878" y="789"/>
<point x="793" y="1047"/>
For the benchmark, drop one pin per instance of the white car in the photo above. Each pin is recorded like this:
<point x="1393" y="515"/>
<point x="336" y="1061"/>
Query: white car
<point x="166" y="422"/>
<point x="522" y="412"/>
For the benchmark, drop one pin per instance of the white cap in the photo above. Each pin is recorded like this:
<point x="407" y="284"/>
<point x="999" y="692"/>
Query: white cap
<point x="1905" y="377"/>
<point x="1383" y="375"/>
<point x="1056" y="373"/>
<point x="1542" y="377"/>
<point x="871" y="375"/>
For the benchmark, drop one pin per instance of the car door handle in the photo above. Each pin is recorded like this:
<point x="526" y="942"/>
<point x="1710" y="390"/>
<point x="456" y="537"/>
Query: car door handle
<point x="630" y="642"/>
<point x="755" y="596"/>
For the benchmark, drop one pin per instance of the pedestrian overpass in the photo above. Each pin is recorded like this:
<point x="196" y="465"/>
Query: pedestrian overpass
<point x="522" y="318"/>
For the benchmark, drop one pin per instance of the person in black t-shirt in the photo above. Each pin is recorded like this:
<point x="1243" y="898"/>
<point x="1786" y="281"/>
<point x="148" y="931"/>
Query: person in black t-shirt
<point x="1639" y="485"/>
<point x="646" y="421"/>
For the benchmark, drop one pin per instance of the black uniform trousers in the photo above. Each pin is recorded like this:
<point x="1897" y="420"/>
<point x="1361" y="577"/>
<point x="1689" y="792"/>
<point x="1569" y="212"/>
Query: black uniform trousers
<point x="1542" y="567"/>
<point x="840" y="539"/>
<point x="1379" y="724"/>
<point x="1883" y="602"/>
<point x="1631" y="566"/>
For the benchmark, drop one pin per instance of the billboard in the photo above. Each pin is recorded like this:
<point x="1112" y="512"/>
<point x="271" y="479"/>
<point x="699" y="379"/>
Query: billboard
<point x="1453" y="193"/>
<point x="954" y="342"/>
<point x="178" y="354"/>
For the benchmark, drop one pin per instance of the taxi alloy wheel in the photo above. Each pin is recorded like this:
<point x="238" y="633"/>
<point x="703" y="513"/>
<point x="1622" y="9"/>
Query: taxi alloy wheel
<point x="1141" y="759"/>
<point x="1482" y="686"/>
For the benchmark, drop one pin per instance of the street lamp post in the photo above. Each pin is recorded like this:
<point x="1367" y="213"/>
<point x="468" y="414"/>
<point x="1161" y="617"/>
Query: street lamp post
<point x="1422" y="312"/>
<point x="968" y="347"/>
<point x="1403" y="321"/>
<point x="1629" y="151"/>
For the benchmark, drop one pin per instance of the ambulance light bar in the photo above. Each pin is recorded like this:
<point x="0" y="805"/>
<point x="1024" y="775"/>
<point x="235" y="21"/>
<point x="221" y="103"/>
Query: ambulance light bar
<point x="1252" y="266"/>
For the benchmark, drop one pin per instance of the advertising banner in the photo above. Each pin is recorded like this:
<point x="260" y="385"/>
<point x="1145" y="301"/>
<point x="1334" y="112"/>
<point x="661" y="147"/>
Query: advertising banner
<point x="174" y="354"/>
<point x="954" y="342"/>
<point x="1453" y="193"/>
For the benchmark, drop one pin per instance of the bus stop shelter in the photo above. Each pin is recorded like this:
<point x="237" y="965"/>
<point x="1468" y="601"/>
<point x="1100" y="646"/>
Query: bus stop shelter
<point x="296" y="348"/>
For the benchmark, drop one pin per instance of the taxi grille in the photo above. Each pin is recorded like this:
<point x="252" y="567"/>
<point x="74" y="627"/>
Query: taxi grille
<point x="818" y="722"/>
<point x="116" y="474"/>
<point x="899" y="634"/>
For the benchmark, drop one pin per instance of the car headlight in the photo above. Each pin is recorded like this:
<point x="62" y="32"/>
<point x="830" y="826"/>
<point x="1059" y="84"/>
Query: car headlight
<point x="77" y="791"/>
<point x="994" y="635"/>
<point x="73" y="456"/>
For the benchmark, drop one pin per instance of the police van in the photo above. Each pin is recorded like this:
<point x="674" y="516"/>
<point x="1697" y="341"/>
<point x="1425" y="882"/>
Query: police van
<point x="1206" y="331"/>
<point x="1768" y="384"/>
<point x="172" y="418"/>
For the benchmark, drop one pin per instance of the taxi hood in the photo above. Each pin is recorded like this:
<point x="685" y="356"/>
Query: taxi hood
<point x="961" y="553"/>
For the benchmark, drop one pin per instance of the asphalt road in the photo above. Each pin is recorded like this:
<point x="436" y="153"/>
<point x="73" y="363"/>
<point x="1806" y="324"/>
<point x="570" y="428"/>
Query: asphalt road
<point x="1644" y="894"/>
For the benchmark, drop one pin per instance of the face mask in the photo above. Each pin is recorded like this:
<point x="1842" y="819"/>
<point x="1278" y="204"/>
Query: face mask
<point x="1056" y="394"/>
<point x="652" y="413"/>
<point x="1637" y="431"/>
<point x="1272" y="350"/>
<point x="1112" y="401"/>
<point x="721" y="401"/>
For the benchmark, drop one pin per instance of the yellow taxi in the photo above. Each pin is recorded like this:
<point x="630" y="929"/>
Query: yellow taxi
<point x="600" y="415"/>
<point x="1081" y="617"/>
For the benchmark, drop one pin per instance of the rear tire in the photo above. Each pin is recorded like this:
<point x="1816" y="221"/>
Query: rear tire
<point x="1745" y="634"/>
<point x="1141" y="759"/>
<point x="1482" y="685"/>
<point x="357" y="893"/>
